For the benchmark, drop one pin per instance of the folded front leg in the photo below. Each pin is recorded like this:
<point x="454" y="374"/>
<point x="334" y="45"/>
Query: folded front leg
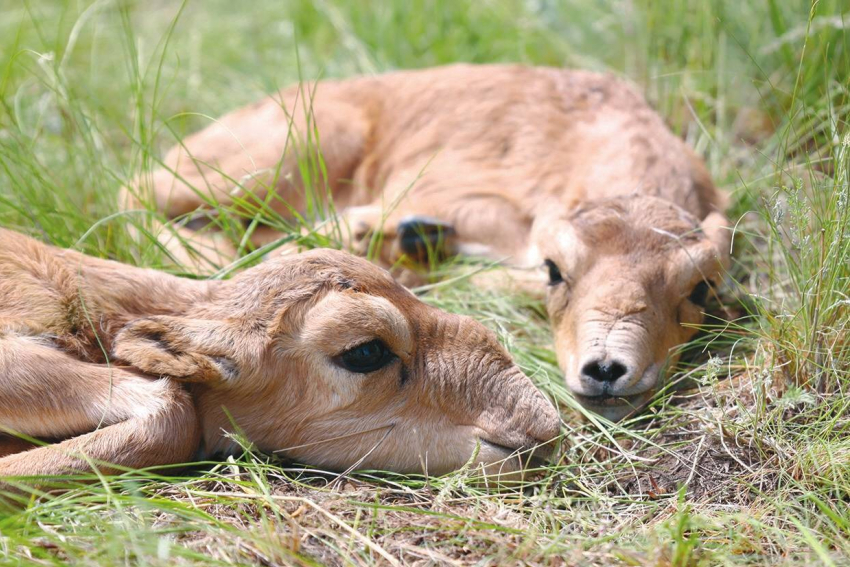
<point x="167" y="437"/>
<point x="111" y="417"/>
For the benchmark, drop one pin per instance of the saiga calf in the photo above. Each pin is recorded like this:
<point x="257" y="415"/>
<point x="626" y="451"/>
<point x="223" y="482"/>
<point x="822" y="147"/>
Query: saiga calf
<point x="568" y="170"/>
<point x="321" y="357"/>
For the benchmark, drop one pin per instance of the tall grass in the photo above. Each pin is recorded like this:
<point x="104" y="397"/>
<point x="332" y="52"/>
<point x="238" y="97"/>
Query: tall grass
<point x="750" y="465"/>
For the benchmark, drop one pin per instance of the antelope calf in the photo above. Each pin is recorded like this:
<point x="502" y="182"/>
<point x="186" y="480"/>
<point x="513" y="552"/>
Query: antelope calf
<point x="569" y="170"/>
<point x="321" y="357"/>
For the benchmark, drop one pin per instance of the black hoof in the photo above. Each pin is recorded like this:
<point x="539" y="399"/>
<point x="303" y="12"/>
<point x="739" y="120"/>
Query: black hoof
<point x="426" y="238"/>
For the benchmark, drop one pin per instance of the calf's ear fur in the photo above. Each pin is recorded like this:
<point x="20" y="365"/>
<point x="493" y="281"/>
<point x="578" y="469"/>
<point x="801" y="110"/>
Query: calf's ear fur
<point x="177" y="347"/>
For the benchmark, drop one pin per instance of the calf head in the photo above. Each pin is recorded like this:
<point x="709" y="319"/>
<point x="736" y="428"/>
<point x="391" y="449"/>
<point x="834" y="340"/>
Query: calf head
<point x="323" y="358"/>
<point x="628" y="282"/>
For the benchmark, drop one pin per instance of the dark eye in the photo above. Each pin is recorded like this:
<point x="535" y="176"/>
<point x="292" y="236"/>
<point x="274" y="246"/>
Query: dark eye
<point x="366" y="358"/>
<point x="699" y="295"/>
<point x="555" y="276"/>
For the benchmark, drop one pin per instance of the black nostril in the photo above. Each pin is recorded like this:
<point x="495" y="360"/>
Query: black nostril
<point x="604" y="370"/>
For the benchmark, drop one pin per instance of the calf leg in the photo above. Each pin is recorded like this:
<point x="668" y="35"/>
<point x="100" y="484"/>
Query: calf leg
<point x="168" y="437"/>
<point x="424" y="229"/>
<point x="114" y="417"/>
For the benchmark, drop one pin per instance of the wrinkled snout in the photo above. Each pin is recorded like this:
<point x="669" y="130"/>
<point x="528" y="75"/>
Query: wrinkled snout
<point x="604" y="370"/>
<point x="522" y="421"/>
<point x="611" y="373"/>
<point x="616" y="387"/>
<point x="510" y="417"/>
<point x="613" y="350"/>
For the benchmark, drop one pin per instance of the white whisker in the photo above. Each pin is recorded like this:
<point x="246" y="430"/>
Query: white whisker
<point x="355" y="434"/>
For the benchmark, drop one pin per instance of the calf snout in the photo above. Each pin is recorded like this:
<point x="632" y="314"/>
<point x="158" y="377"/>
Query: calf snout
<point x="545" y="424"/>
<point x="604" y="370"/>
<point x="525" y="423"/>
<point x="474" y="381"/>
<point x="545" y="430"/>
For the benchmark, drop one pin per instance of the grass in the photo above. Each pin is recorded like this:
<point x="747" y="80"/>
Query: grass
<point x="748" y="465"/>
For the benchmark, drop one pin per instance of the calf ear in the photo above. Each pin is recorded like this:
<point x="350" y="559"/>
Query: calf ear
<point x="716" y="227"/>
<point x="180" y="348"/>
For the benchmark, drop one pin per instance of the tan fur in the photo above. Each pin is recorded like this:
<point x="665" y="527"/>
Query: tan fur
<point x="128" y="367"/>
<point x="493" y="151"/>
